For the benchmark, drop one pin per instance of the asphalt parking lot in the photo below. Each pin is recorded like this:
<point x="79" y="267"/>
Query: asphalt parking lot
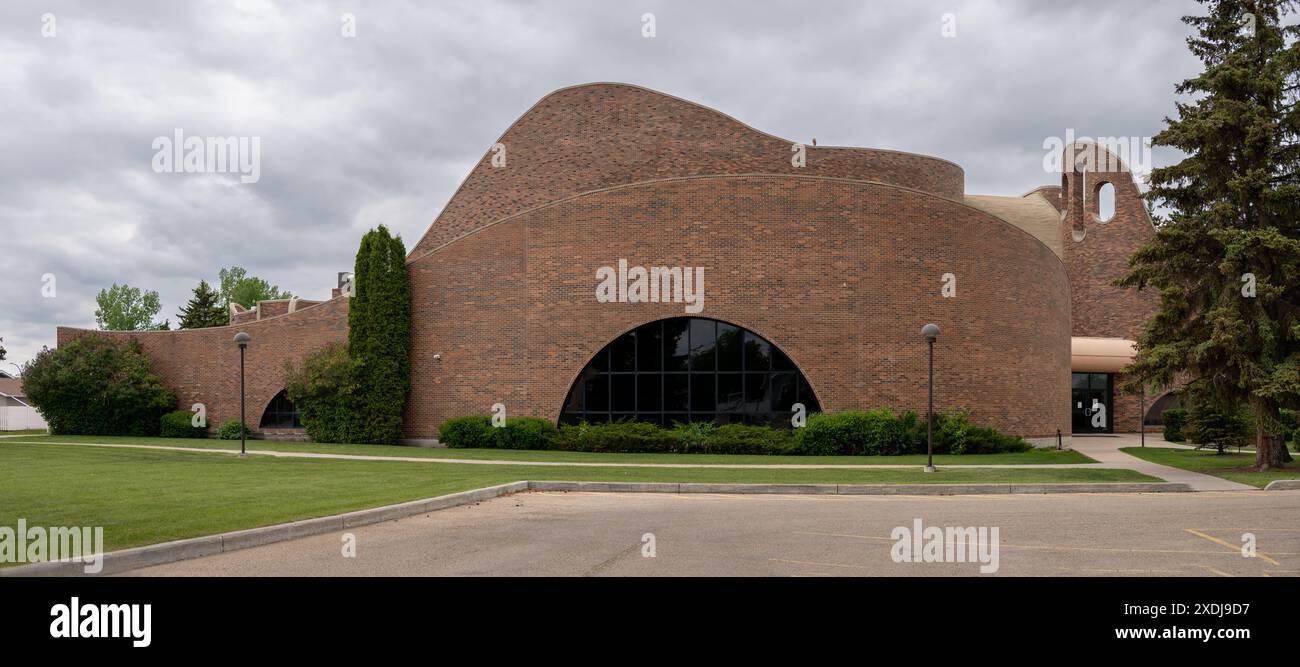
<point x="652" y="534"/>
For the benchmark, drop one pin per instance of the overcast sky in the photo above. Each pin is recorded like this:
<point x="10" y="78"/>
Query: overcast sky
<point x="383" y="126"/>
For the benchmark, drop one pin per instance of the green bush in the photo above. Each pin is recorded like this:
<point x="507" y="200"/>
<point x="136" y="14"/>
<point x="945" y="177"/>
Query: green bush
<point x="854" y="432"/>
<point x="693" y="436"/>
<point x="1175" y="420"/>
<point x="618" y="436"/>
<point x="1221" y="427"/>
<point x="954" y="434"/>
<point x="743" y="439"/>
<point x="525" y="433"/>
<point x="97" y="386"/>
<point x="230" y="430"/>
<point x="180" y="424"/>
<point x="472" y="432"/>
<point x="325" y="388"/>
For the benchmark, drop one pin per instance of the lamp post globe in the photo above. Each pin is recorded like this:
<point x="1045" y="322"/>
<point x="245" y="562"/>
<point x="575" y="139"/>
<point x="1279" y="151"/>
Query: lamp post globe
<point x="242" y="339"/>
<point x="930" y="333"/>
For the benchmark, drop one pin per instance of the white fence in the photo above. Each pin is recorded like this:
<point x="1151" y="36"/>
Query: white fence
<point x="20" y="419"/>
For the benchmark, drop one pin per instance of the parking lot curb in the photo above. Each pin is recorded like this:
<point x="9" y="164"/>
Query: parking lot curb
<point x="197" y="547"/>
<point x="1283" y="485"/>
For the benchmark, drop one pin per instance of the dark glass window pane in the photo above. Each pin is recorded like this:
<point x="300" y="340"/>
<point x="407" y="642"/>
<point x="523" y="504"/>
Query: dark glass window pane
<point x="1100" y="381"/>
<point x="622" y="354"/>
<point x="623" y="393"/>
<point x="780" y="362"/>
<point x="758" y="392"/>
<point x="677" y="346"/>
<point x="730" y="341"/>
<point x="704" y="345"/>
<point x="649" y="393"/>
<point x="1079" y="381"/>
<point x="731" y="392"/>
<point x="598" y="393"/>
<point x="758" y="353"/>
<point x="784" y="392"/>
<point x="650" y="347"/>
<point x="702" y="393"/>
<point x="676" y="396"/>
<point x="600" y="362"/>
<point x="678" y="370"/>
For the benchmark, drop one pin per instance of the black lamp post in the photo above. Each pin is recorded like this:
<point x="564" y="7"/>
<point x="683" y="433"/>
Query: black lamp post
<point x="243" y="339"/>
<point x="930" y="332"/>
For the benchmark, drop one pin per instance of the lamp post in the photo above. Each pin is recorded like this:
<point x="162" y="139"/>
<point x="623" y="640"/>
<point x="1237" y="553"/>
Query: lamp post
<point x="930" y="332"/>
<point x="243" y="339"/>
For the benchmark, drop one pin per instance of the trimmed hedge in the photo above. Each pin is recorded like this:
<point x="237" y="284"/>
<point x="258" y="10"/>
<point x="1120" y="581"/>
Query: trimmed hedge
<point x="1175" y="419"/>
<point x="875" y="432"/>
<point x="180" y="424"/>
<point x="230" y="430"/>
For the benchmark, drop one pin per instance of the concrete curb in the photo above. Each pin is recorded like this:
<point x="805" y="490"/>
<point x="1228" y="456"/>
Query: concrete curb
<point x="1283" y="485"/>
<point x="169" y="552"/>
<point x="861" y="489"/>
<point x="197" y="547"/>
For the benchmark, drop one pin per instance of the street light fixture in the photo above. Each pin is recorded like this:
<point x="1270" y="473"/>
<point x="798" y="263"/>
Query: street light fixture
<point x="243" y="339"/>
<point x="930" y="332"/>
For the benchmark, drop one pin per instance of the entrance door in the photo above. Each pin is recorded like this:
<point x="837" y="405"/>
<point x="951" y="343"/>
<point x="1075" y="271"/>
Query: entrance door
<point x="1091" y="403"/>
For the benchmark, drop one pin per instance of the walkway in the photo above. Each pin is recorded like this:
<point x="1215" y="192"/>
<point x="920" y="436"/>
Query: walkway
<point x="1106" y="450"/>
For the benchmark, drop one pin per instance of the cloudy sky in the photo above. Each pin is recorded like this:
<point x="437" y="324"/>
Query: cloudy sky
<point x="382" y="126"/>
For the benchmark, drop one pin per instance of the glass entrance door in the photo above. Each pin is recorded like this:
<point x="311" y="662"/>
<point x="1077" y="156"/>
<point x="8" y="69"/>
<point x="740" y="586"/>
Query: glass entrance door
<point x="1091" y="399"/>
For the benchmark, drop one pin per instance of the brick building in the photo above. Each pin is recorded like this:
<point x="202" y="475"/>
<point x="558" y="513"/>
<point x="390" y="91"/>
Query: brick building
<point x="624" y="253"/>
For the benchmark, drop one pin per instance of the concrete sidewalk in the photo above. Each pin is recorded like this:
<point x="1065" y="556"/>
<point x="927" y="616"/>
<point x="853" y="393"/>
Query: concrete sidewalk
<point x="1106" y="450"/>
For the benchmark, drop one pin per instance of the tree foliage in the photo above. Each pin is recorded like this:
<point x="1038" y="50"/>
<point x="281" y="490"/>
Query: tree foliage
<point x="326" y="391"/>
<point x="126" y="308"/>
<point x="236" y="286"/>
<point x="379" y="333"/>
<point x="204" y="309"/>
<point x="1227" y="260"/>
<point x="96" y="386"/>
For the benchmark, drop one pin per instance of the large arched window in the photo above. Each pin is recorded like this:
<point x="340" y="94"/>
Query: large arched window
<point x="689" y="369"/>
<point x="281" y="413"/>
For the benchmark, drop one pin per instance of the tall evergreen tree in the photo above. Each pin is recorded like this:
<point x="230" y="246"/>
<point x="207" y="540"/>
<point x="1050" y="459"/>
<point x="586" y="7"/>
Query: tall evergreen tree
<point x="204" y="309"/>
<point x="1227" y="260"/>
<point x="379" y="331"/>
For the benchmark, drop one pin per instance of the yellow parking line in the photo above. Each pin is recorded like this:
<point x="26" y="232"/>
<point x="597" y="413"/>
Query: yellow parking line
<point x="1235" y="547"/>
<point x="1221" y="573"/>
<point x="809" y="562"/>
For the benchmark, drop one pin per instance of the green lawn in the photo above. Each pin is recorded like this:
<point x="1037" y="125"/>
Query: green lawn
<point x="1033" y="457"/>
<point x="145" y="496"/>
<point x="1230" y="466"/>
<point x="30" y="431"/>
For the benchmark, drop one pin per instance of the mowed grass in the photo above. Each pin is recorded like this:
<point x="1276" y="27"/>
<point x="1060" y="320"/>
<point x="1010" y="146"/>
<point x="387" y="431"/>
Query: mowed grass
<point x="148" y="496"/>
<point x="1230" y="466"/>
<point x="1034" y="457"/>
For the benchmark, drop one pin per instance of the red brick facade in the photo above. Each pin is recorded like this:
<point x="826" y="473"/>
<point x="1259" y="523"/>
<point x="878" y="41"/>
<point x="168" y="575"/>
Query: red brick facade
<point x="839" y="263"/>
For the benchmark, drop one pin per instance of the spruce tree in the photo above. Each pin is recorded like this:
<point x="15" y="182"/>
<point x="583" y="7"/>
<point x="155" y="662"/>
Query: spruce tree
<point x="379" y="329"/>
<point x="1227" y="259"/>
<point x="204" y="309"/>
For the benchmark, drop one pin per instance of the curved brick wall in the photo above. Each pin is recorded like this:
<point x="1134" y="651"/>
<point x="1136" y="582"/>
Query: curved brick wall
<point x="595" y="136"/>
<point x="840" y="274"/>
<point x="202" y="365"/>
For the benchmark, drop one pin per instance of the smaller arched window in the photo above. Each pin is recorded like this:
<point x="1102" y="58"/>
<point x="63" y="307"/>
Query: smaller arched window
<point x="1105" y="202"/>
<point x="281" y="413"/>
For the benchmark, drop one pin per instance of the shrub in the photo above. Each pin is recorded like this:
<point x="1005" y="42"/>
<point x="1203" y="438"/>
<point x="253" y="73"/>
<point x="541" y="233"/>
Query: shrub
<point x="180" y="424"/>
<point x="693" y="435"/>
<point x="325" y="389"/>
<point x="472" y="432"/>
<point x="1175" y="420"/>
<point x="853" y="432"/>
<point x="97" y="386"/>
<point x="744" y="439"/>
<point x="954" y="434"/>
<point x="618" y="436"/>
<point x="230" y="430"/>
<point x="525" y="433"/>
<point x="1221" y="427"/>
